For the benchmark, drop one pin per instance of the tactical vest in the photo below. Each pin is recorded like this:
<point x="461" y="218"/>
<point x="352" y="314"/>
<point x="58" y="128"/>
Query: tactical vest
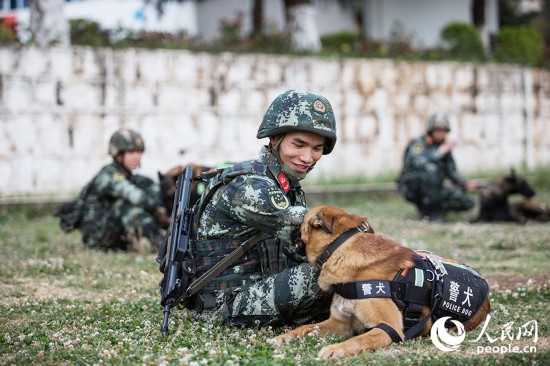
<point x="263" y="260"/>
<point x="449" y="288"/>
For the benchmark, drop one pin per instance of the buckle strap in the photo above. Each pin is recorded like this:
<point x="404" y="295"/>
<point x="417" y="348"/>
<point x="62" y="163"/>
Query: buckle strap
<point x="364" y="289"/>
<point x="414" y="330"/>
<point x="411" y="315"/>
<point x="363" y="228"/>
<point x="395" y="337"/>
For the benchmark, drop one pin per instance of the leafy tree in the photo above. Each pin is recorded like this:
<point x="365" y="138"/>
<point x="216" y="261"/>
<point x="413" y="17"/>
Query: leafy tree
<point x="521" y="44"/>
<point x="463" y="41"/>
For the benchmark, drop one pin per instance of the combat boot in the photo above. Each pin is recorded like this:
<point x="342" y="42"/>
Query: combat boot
<point x="429" y="214"/>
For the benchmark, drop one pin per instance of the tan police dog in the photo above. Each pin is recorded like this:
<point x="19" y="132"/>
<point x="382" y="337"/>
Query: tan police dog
<point x="367" y="261"/>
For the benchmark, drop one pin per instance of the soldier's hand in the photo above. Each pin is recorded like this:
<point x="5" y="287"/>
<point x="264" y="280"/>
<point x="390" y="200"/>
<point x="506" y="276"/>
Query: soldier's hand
<point x="162" y="217"/>
<point x="470" y="185"/>
<point x="447" y="146"/>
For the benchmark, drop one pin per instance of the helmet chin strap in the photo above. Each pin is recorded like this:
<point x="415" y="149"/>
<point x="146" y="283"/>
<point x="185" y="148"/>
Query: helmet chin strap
<point x="291" y="173"/>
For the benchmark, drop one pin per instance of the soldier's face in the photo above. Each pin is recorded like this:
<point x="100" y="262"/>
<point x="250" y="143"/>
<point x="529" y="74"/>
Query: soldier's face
<point x="132" y="159"/>
<point x="439" y="136"/>
<point x="301" y="150"/>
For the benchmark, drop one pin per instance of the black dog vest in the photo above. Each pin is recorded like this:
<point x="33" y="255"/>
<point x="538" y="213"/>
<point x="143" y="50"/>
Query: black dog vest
<point x="449" y="288"/>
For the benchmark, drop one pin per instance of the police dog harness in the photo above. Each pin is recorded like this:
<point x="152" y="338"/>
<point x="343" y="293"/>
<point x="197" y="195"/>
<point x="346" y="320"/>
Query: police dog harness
<point x="449" y="288"/>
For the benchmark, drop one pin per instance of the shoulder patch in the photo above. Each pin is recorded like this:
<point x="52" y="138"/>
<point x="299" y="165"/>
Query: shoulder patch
<point x="277" y="198"/>
<point x="284" y="182"/>
<point x="418" y="147"/>
<point x="118" y="176"/>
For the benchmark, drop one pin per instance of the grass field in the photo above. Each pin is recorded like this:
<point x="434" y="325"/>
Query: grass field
<point x="62" y="304"/>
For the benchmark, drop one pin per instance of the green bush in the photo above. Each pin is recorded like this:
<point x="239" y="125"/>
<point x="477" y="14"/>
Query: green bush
<point x="463" y="42"/>
<point x="123" y="37"/>
<point x="88" y="33"/>
<point x="7" y="36"/>
<point x="521" y="44"/>
<point x="343" y="42"/>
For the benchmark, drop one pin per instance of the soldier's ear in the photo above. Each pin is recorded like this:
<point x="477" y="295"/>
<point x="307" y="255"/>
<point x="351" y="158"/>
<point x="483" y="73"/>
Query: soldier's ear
<point x="275" y="141"/>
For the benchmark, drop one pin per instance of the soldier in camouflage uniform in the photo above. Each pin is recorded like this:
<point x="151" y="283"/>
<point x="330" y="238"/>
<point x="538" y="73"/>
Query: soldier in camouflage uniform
<point x="427" y="163"/>
<point x="121" y="207"/>
<point x="271" y="284"/>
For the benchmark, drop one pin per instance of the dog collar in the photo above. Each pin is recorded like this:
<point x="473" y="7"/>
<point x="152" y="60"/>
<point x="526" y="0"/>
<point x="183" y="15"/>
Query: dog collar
<point x="363" y="228"/>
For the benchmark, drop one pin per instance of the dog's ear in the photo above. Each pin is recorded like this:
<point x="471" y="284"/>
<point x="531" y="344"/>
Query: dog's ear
<point x="322" y="221"/>
<point x="160" y="176"/>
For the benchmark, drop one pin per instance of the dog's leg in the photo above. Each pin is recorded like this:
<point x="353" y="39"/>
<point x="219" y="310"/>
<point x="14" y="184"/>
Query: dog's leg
<point x="479" y="316"/>
<point x="329" y="326"/>
<point x="370" y="341"/>
<point x="369" y="313"/>
<point x="515" y="214"/>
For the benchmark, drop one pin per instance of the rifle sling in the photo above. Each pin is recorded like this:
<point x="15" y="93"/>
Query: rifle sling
<point x="224" y="263"/>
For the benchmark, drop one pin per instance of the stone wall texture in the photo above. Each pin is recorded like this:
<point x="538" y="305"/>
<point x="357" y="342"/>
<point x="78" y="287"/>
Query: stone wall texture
<point x="59" y="106"/>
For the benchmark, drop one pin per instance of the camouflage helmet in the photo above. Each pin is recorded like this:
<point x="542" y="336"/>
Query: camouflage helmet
<point x="300" y="111"/>
<point x="125" y="140"/>
<point x="438" y="120"/>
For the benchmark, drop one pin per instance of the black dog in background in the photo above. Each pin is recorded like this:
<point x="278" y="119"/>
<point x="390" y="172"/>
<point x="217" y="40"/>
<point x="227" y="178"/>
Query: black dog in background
<point x="494" y="204"/>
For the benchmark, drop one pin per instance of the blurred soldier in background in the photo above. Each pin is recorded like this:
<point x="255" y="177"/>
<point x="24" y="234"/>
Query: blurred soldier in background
<point x="272" y="284"/>
<point x="427" y="163"/>
<point x="121" y="207"/>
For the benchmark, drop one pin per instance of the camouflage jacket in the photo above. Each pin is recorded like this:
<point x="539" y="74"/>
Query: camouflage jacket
<point x="421" y="158"/>
<point x="114" y="182"/>
<point x="261" y="200"/>
<point x="256" y="197"/>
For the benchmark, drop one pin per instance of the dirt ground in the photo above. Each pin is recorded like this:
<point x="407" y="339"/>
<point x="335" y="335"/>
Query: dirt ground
<point x="511" y="282"/>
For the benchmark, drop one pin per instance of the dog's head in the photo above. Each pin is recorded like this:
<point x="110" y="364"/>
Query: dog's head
<point x="323" y="224"/>
<point x="515" y="184"/>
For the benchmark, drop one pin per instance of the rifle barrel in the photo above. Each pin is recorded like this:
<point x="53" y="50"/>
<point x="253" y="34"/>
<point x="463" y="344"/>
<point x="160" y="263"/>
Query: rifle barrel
<point x="164" y="331"/>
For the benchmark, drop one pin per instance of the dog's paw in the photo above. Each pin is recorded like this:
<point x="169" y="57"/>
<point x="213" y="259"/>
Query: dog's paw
<point x="334" y="351"/>
<point x="282" y="339"/>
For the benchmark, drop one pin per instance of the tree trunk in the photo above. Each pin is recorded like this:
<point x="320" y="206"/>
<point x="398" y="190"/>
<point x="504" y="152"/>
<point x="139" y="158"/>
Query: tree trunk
<point x="257" y="18"/>
<point x="47" y="22"/>
<point x="302" y="26"/>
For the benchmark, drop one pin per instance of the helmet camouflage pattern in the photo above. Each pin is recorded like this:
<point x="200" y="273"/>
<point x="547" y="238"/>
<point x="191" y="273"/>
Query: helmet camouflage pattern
<point x="438" y="120"/>
<point x="125" y="140"/>
<point x="300" y="111"/>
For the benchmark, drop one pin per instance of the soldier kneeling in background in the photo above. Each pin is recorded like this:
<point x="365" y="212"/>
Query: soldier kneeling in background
<point x="427" y="164"/>
<point x="117" y="208"/>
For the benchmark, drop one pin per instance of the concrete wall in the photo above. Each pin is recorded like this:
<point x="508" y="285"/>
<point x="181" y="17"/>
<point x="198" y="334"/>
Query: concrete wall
<point x="59" y="106"/>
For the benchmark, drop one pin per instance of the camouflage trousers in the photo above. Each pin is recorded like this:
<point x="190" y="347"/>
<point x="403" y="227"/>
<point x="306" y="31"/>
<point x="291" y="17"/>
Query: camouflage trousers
<point x="431" y="195"/>
<point x="119" y="227"/>
<point x="290" y="297"/>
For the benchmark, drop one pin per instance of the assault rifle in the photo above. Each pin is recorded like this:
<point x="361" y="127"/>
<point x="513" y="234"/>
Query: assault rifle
<point x="178" y="283"/>
<point x="178" y="264"/>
